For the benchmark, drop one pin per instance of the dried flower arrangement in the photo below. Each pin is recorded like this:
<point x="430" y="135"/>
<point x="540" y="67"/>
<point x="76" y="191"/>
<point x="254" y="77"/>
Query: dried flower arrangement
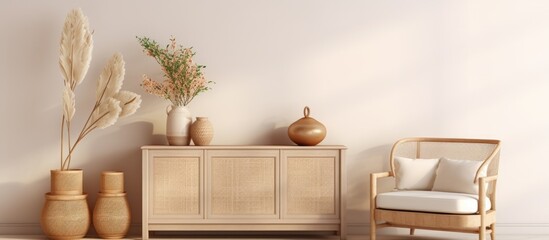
<point x="183" y="78"/>
<point x="74" y="61"/>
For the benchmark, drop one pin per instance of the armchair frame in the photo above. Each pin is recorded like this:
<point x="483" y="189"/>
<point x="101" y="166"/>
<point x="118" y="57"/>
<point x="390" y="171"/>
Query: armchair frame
<point x="480" y="223"/>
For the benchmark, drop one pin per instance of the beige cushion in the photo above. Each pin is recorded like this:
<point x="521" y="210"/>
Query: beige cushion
<point x="430" y="201"/>
<point x="458" y="176"/>
<point x="415" y="174"/>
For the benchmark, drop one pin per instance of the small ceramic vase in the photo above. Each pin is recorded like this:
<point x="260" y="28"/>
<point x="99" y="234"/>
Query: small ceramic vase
<point x="202" y="131"/>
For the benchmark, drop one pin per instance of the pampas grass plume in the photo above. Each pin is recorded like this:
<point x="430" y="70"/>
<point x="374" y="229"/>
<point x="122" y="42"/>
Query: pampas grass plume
<point x="74" y="60"/>
<point x="111" y="78"/>
<point x="68" y="104"/>
<point x="107" y="113"/>
<point x="129" y="102"/>
<point x="75" y="48"/>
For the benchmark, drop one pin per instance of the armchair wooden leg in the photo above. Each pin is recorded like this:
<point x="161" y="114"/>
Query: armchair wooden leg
<point x="412" y="231"/>
<point x="482" y="233"/>
<point x="493" y="233"/>
<point x="373" y="231"/>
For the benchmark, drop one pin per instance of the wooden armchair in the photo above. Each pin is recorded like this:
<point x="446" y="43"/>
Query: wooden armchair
<point x="443" y="184"/>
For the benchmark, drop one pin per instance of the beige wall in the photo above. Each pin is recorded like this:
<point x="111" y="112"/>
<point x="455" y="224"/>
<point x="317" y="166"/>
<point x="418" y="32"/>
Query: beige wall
<point x="371" y="71"/>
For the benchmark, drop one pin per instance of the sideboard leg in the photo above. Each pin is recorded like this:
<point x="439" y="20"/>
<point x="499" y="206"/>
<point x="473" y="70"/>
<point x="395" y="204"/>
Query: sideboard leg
<point x="343" y="232"/>
<point x="145" y="232"/>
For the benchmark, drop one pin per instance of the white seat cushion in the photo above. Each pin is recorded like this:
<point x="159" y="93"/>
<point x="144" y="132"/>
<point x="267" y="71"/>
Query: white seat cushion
<point x="430" y="201"/>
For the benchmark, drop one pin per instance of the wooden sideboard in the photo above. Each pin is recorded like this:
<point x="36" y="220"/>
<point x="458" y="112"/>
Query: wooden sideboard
<point x="244" y="188"/>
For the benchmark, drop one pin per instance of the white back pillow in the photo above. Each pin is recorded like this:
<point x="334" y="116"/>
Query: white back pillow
<point x="458" y="176"/>
<point x="415" y="174"/>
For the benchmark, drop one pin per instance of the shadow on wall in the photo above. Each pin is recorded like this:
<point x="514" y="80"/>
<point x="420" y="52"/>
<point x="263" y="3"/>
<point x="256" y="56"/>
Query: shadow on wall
<point x="375" y="159"/>
<point x="125" y="157"/>
<point x="273" y="136"/>
<point x="21" y="198"/>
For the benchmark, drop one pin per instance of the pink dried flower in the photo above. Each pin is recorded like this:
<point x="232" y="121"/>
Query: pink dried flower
<point x="183" y="79"/>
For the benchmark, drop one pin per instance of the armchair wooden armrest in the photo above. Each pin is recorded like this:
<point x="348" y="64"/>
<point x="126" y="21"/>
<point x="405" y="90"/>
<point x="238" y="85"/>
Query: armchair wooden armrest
<point x="381" y="174"/>
<point x="482" y="187"/>
<point x="489" y="178"/>
<point x="373" y="182"/>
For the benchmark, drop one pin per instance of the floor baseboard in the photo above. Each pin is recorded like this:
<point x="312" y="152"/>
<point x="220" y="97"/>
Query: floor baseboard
<point x="20" y="229"/>
<point x="35" y="229"/>
<point x="502" y="228"/>
<point x="353" y="229"/>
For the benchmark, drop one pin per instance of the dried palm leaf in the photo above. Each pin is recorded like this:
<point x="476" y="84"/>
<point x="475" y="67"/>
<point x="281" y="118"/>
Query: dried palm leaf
<point x="111" y="78"/>
<point x="76" y="48"/>
<point x="129" y="102"/>
<point x="106" y="114"/>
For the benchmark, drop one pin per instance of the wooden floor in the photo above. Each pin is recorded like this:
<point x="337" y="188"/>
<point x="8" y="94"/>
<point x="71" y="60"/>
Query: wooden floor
<point x="429" y="236"/>
<point x="451" y="236"/>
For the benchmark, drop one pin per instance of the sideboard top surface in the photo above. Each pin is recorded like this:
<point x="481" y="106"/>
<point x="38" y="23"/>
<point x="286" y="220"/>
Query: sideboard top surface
<point x="252" y="147"/>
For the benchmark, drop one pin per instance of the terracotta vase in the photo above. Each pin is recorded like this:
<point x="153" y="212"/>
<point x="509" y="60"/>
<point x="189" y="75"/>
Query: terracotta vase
<point x="65" y="216"/>
<point x="178" y="124"/>
<point x="307" y="131"/>
<point x="202" y="131"/>
<point x="111" y="214"/>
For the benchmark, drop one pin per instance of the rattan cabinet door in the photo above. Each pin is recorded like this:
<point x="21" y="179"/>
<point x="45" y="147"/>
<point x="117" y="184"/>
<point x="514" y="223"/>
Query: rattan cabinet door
<point x="310" y="184"/>
<point x="175" y="185"/>
<point x="242" y="184"/>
